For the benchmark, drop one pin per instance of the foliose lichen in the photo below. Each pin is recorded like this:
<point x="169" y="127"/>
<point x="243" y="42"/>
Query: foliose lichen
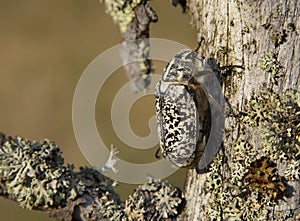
<point x="244" y="155"/>
<point x="122" y="12"/>
<point x="35" y="175"/>
<point x="110" y="207"/>
<point x="278" y="118"/>
<point x="269" y="63"/>
<point x="155" y="200"/>
<point x="278" y="37"/>
<point x="28" y="169"/>
<point x="253" y="185"/>
<point x="134" y="18"/>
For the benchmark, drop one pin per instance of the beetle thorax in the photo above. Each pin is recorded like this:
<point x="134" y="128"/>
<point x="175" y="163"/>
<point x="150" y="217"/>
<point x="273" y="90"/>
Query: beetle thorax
<point x="181" y="67"/>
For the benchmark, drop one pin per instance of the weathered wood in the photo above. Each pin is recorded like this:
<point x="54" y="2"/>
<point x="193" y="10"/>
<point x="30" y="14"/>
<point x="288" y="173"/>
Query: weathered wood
<point x="243" y="33"/>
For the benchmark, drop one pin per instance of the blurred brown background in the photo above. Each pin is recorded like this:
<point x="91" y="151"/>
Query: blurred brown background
<point x="44" y="48"/>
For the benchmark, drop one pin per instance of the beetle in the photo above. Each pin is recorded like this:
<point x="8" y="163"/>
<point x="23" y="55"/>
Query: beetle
<point x="182" y="111"/>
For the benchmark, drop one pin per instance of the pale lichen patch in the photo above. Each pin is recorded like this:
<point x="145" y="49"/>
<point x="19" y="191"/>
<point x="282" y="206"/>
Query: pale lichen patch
<point x="255" y="185"/>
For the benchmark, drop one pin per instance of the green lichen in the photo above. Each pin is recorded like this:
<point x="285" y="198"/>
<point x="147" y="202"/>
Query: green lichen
<point x="35" y="175"/>
<point x="244" y="155"/>
<point x="253" y="186"/>
<point x="133" y="18"/>
<point x="155" y="200"/>
<point x="278" y="118"/>
<point x="214" y="185"/>
<point x="278" y="37"/>
<point x="269" y="63"/>
<point x="293" y="170"/>
<point x="110" y="207"/>
<point x="121" y="11"/>
<point x="252" y="199"/>
<point x="27" y="168"/>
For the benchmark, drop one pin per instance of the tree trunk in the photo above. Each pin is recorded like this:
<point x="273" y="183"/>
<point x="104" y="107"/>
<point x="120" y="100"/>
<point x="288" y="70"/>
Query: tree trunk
<point x="263" y="37"/>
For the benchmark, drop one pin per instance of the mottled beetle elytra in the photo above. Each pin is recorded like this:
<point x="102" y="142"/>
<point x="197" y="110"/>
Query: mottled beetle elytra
<point x="182" y="111"/>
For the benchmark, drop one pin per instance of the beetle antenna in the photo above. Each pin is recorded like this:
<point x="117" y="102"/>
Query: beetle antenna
<point x="199" y="44"/>
<point x="158" y="154"/>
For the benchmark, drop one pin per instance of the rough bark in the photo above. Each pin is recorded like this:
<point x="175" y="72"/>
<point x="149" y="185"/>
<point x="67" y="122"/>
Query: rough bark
<point x="245" y="33"/>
